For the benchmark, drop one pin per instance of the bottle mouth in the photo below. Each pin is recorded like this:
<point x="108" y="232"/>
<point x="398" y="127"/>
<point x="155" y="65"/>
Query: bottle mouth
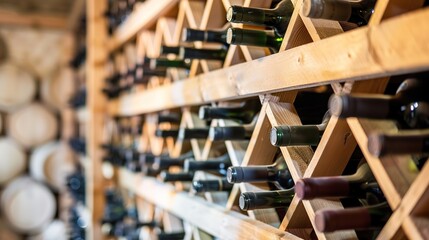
<point x="375" y="144"/>
<point x="301" y="189"/>
<point x="336" y="105"/>
<point x="203" y="113"/>
<point x="244" y="201"/>
<point x="234" y="174"/>
<point x="198" y="186"/>
<point x="277" y="136"/>
<point x="312" y="8"/>
<point x="230" y="36"/>
<point x="231" y="13"/>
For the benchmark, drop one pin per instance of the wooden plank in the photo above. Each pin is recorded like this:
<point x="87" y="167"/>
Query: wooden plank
<point x="143" y="17"/>
<point x="75" y="15"/>
<point x="96" y="37"/>
<point x="8" y="18"/>
<point x="217" y="221"/>
<point x="391" y="52"/>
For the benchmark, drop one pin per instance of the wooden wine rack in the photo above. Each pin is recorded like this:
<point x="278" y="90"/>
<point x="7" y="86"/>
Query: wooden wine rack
<point x="314" y="53"/>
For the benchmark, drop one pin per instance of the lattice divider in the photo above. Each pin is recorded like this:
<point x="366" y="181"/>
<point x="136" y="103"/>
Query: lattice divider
<point x="407" y="193"/>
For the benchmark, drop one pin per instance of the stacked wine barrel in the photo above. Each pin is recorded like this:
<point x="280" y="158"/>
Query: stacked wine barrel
<point x="271" y="164"/>
<point x="34" y="161"/>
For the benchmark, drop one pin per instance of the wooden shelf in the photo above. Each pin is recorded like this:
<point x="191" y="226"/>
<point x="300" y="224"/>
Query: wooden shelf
<point x="213" y="219"/>
<point x="365" y="53"/>
<point x="314" y="53"/>
<point x="144" y="15"/>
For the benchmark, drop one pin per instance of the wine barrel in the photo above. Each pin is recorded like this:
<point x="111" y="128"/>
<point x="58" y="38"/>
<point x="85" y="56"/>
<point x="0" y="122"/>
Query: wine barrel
<point x="27" y="205"/>
<point x="32" y="125"/>
<point x="12" y="160"/>
<point x="57" y="90"/>
<point x="52" y="163"/>
<point x="7" y="233"/>
<point x="55" y="231"/>
<point x="17" y="87"/>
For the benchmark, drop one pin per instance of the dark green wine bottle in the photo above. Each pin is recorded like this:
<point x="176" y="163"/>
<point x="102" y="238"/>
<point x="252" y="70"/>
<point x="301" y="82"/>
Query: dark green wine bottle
<point x="213" y="185"/>
<point x="208" y="54"/>
<point x="193" y="133"/>
<point x="277" y="18"/>
<point x="192" y="35"/>
<point x="368" y="217"/>
<point x="166" y="133"/>
<point x="266" y="199"/>
<point x="171" y="117"/>
<point x="171" y="236"/>
<point x="218" y="165"/>
<point x="230" y="133"/>
<point x="277" y="173"/>
<point x="298" y="135"/>
<point x="256" y="38"/>
<point x="177" y="177"/>
<point x="244" y="113"/>
<point x="167" y="63"/>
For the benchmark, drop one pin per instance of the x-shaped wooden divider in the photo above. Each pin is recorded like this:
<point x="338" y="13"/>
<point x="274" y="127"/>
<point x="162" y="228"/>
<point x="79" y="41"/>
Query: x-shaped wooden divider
<point x="405" y="191"/>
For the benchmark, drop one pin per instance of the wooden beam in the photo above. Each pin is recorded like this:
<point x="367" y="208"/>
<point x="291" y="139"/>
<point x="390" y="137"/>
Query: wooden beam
<point x="12" y="18"/>
<point x="215" y="220"/>
<point x="365" y="53"/>
<point x="142" y="17"/>
<point x="75" y="15"/>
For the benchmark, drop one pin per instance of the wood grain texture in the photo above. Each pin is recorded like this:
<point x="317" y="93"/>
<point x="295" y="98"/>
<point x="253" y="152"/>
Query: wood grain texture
<point x="216" y="221"/>
<point x="367" y="52"/>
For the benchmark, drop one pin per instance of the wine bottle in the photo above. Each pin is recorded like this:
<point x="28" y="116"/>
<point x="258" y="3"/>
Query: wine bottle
<point x="156" y="63"/>
<point x="338" y="186"/>
<point x="256" y="38"/>
<point x="244" y="113"/>
<point x="163" y="163"/>
<point x="230" y="133"/>
<point x="193" y="133"/>
<point x="278" y="173"/>
<point x="277" y="18"/>
<point x="144" y="75"/>
<point x="146" y="159"/>
<point x="208" y="54"/>
<point x="368" y="217"/>
<point x="219" y="165"/>
<point x="266" y="199"/>
<point x="192" y="35"/>
<point x="409" y="106"/>
<point x="213" y="185"/>
<point x="169" y="50"/>
<point x="358" y="12"/>
<point x="171" y="236"/>
<point x="403" y="142"/>
<point x="176" y="177"/>
<point x="166" y="133"/>
<point x="298" y="135"/>
<point x="171" y="117"/>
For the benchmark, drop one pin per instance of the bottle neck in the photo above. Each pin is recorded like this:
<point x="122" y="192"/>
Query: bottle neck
<point x="177" y="177"/>
<point x="170" y="118"/>
<point x="404" y="142"/>
<point x="191" y="35"/>
<point x="171" y="236"/>
<point x="277" y="173"/>
<point x="269" y="199"/>
<point x="163" y="163"/>
<point x="277" y="18"/>
<point x="339" y="186"/>
<point x="209" y="54"/>
<point x="362" y="218"/>
<point x="193" y="133"/>
<point x="166" y="63"/>
<point x="166" y="133"/>
<point x="206" y="165"/>
<point x="296" y="135"/>
<point x="230" y="133"/>
<point x="239" y="113"/>
<point x="239" y="36"/>
<point x="212" y="185"/>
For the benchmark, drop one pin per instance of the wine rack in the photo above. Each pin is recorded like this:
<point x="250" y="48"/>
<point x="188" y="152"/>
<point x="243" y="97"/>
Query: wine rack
<point x="314" y="53"/>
